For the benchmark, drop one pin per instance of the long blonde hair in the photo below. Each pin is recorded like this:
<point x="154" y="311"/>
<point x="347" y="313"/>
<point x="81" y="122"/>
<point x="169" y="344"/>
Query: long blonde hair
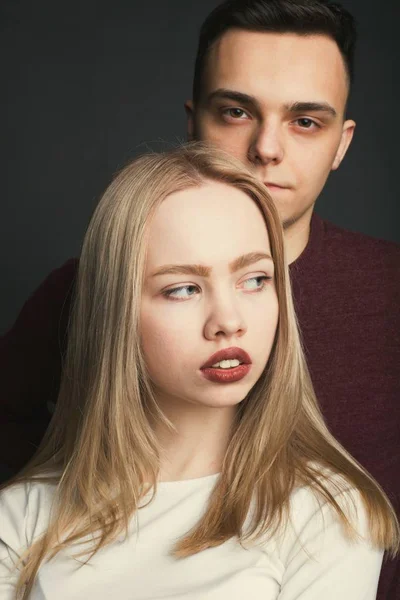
<point x="100" y="450"/>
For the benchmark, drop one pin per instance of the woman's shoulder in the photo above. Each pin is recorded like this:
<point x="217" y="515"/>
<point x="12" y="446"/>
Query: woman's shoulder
<point x="330" y="508"/>
<point x="24" y="511"/>
<point x="329" y="490"/>
<point x="311" y="494"/>
<point x="328" y="548"/>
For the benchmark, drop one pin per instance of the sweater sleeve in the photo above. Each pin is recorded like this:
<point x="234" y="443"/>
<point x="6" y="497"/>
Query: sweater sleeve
<point x="13" y="538"/>
<point x="320" y="560"/>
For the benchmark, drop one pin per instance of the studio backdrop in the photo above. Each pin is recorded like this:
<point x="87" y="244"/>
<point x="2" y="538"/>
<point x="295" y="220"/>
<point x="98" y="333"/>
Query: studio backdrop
<point x="88" y="85"/>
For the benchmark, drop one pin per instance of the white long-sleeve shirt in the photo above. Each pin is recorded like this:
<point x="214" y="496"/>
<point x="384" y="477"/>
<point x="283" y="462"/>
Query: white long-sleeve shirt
<point x="311" y="560"/>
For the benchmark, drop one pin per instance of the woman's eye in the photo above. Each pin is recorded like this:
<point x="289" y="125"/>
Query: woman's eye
<point x="256" y="283"/>
<point x="181" y="293"/>
<point x="235" y="113"/>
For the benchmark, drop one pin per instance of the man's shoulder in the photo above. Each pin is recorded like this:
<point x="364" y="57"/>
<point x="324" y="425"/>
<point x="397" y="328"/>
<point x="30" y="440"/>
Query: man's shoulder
<point x="49" y="302"/>
<point x="56" y="289"/>
<point x="355" y="247"/>
<point x="65" y="274"/>
<point x="348" y="270"/>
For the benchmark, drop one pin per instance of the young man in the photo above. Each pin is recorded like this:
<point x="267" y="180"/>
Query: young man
<point x="271" y="84"/>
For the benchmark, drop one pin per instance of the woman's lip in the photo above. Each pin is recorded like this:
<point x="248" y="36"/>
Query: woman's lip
<point x="227" y="354"/>
<point x="226" y="375"/>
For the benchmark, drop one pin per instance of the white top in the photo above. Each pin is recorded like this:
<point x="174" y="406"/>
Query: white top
<point x="311" y="560"/>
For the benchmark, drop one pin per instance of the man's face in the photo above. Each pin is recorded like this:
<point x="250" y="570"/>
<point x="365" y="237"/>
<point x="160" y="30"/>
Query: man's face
<point x="277" y="102"/>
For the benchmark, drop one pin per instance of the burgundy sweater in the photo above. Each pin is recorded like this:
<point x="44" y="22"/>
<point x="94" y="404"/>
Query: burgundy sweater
<point x="347" y="295"/>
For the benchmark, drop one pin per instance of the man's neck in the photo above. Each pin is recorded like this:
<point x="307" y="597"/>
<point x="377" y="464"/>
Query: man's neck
<point x="296" y="237"/>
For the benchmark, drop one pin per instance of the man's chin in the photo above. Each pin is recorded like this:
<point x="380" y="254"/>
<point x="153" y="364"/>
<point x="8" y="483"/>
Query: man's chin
<point x="287" y="223"/>
<point x="289" y="220"/>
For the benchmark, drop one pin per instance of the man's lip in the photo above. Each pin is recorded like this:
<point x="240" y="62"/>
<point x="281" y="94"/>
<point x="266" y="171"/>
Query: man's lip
<point x="277" y="185"/>
<point x="227" y="354"/>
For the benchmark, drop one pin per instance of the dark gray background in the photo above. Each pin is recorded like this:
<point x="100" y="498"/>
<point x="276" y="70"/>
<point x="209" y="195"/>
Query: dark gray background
<point x="86" y="86"/>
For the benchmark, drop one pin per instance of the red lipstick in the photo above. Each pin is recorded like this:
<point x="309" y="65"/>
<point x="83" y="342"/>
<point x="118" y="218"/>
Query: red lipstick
<point x="227" y="375"/>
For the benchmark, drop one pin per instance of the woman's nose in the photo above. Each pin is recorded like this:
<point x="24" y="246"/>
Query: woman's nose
<point x="224" y="319"/>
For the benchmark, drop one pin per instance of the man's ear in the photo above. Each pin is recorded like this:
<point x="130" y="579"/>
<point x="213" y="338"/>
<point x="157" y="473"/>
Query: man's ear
<point x="189" y="108"/>
<point x="345" y="141"/>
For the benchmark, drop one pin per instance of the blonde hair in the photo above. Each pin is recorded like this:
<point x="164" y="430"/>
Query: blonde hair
<point x="100" y="448"/>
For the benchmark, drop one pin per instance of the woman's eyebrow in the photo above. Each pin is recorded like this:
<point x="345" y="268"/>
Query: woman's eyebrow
<point x="245" y="260"/>
<point x="240" y="262"/>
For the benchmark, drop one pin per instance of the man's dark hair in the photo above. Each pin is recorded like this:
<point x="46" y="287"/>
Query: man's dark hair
<point x="304" y="17"/>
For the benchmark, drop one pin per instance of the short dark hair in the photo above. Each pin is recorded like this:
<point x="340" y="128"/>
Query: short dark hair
<point x="304" y="17"/>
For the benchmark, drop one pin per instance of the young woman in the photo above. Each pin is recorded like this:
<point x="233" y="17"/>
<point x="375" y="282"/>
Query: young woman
<point x="187" y="457"/>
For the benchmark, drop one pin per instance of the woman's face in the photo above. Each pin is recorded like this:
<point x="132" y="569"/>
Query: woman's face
<point x="208" y="287"/>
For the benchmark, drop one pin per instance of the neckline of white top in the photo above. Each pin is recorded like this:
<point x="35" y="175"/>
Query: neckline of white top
<point x="197" y="481"/>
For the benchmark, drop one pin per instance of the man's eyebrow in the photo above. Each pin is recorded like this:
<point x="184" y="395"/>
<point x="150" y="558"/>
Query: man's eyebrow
<point x="303" y="107"/>
<point x="202" y="271"/>
<point x="240" y="97"/>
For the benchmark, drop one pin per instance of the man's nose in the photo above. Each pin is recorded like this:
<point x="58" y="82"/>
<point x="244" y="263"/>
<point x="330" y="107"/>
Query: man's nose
<point x="267" y="145"/>
<point x="224" y="319"/>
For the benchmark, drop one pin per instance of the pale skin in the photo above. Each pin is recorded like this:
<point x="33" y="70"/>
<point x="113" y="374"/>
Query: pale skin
<point x="277" y="102"/>
<point x="188" y="314"/>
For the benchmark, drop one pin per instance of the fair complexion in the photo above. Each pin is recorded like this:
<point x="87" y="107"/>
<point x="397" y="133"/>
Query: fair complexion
<point x="209" y="285"/>
<point x="277" y="102"/>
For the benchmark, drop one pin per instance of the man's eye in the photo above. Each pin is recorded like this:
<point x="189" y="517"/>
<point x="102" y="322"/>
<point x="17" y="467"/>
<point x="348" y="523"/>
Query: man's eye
<point x="256" y="283"/>
<point x="235" y="113"/>
<point x="306" y="123"/>
<point x="181" y="293"/>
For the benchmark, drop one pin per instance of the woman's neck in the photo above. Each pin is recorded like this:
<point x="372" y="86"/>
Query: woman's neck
<point x="198" y="447"/>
